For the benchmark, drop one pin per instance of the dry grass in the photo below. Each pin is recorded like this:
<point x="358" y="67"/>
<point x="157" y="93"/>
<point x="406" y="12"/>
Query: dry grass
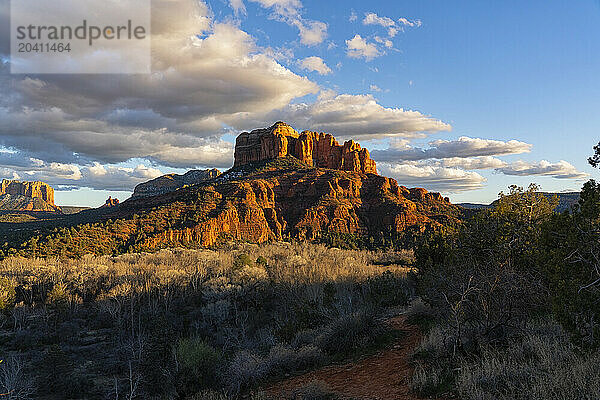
<point x="111" y="327"/>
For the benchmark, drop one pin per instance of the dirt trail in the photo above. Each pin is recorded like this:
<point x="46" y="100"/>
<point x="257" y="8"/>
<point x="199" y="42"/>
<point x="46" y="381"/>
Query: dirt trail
<point x="383" y="376"/>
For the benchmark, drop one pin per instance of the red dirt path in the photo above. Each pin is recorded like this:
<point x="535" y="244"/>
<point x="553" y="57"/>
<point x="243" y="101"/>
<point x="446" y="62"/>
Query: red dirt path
<point x="383" y="376"/>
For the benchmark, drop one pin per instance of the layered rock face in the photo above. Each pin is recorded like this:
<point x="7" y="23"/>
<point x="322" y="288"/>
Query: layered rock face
<point x="172" y="182"/>
<point x="28" y="189"/>
<point x="319" y="150"/>
<point x="27" y="196"/>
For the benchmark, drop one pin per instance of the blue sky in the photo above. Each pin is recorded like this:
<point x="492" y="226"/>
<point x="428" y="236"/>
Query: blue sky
<point x="519" y="79"/>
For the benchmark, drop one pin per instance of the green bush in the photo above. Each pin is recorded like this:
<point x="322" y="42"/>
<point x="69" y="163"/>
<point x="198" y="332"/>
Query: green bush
<point x="59" y="297"/>
<point x="241" y="260"/>
<point x="348" y="333"/>
<point x="7" y="294"/>
<point x="199" y="365"/>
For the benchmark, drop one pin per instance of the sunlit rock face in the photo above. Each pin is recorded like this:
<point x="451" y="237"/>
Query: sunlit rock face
<point x="315" y="149"/>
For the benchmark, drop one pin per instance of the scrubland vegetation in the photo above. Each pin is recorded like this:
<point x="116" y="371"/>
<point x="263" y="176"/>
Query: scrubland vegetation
<point x="508" y="303"/>
<point x="189" y="323"/>
<point x="511" y="301"/>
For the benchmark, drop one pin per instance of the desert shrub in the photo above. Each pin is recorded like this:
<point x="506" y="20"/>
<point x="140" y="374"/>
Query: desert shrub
<point x="137" y="311"/>
<point x="7" y="294"/>
<point x="420" y="313"/>
<point x="543" y="365"/>
<point x="248" y="369"/>
<point x="55" y="372"/>
<point x="58" y="297"/>
<point x="242" y="260"/>
<point x="486" y="280"/>
<point x="389" y="289"/>
<point x="540" y="364"/>
<point x="15" y="384"/>
<point x="436" y="360"/>
<point x="349" y="333"/>
<point x="199" y="365"/>
<point x="284" y="359"/>
<point x="245" y="370"/>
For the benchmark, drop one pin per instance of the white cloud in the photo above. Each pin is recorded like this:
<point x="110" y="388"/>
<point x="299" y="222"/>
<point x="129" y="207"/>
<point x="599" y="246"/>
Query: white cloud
<point x="374" y="19"/>
<point x="486" y="162"/>
<point x="353" y="17"/>
<point x="464" y="147"/>
<point x="315" y="64"/>
<point x="95" y="176"/>
<point x="311" y="32"/>
<point x="357" y="47"/>
<point x="392" y="26"/>
<point x="410" y="23"/>
<point x="353" y="116"/>
<point x="446" y="180"/>
<point x="559" y="170"/>
<point x="375" y="88"/>
<point x="386" y="42"/>
<point x="289" y="11"/>
<point x="238" y="6"/>
<point x="174" y="116"/>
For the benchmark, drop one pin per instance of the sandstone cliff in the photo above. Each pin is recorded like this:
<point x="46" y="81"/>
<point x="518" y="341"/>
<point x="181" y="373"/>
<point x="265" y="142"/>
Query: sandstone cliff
<point x="319" y="150"/>
<point x="26" y="196"/>
<point x="172" y="182"/>
<point x="28" y="189"/>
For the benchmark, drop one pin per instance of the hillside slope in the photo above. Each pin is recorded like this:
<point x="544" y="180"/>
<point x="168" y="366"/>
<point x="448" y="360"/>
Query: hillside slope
<point x="267" y="201"/>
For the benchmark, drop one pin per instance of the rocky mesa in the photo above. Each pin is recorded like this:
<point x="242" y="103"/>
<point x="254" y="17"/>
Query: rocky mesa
<point x="319" y="150"/>
<point x="27" y="196"/>
<point x="284" y="185"/>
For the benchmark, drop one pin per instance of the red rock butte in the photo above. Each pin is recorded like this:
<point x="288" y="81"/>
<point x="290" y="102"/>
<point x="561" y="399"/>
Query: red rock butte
<point x="28" y="189"/>
<point x="319" y="150"/>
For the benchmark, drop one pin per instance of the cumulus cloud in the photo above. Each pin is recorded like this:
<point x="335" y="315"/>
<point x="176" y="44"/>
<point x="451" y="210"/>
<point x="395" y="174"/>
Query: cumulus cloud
<point x="436" y="178"/>
<point x="358" y="47"/>
<point x="174" y="116"/>
<point x="94" y="176"/>
<point x="354" y="116"/>
<point x="311" y="32"/>
<point x="464" y="147"/>
<point x="289" y="11"/>
<point x="374" y="19"/>
<point x="315" y="64"/>
<point x="486" y="162"/>
<point x="559" y="170"/>
<point x="209" y="78"/>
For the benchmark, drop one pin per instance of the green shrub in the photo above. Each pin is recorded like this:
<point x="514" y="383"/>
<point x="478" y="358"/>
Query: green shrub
<point x="7" y="294"/>
<point x="59" y="297"/>
<point x="387" y="290"/>
<point x="199" y="365"/>
<point x="348" y="333"/>
<point x="241" y="261"/>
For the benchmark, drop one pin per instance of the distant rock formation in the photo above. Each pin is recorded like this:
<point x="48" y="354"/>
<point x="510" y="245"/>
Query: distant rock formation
<point x="319" y="150"/>
<point x="110" y="202"/>
<point x="172" y="182"/>
<point x="28" y="189"/>
<point x="27" y="196"/>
